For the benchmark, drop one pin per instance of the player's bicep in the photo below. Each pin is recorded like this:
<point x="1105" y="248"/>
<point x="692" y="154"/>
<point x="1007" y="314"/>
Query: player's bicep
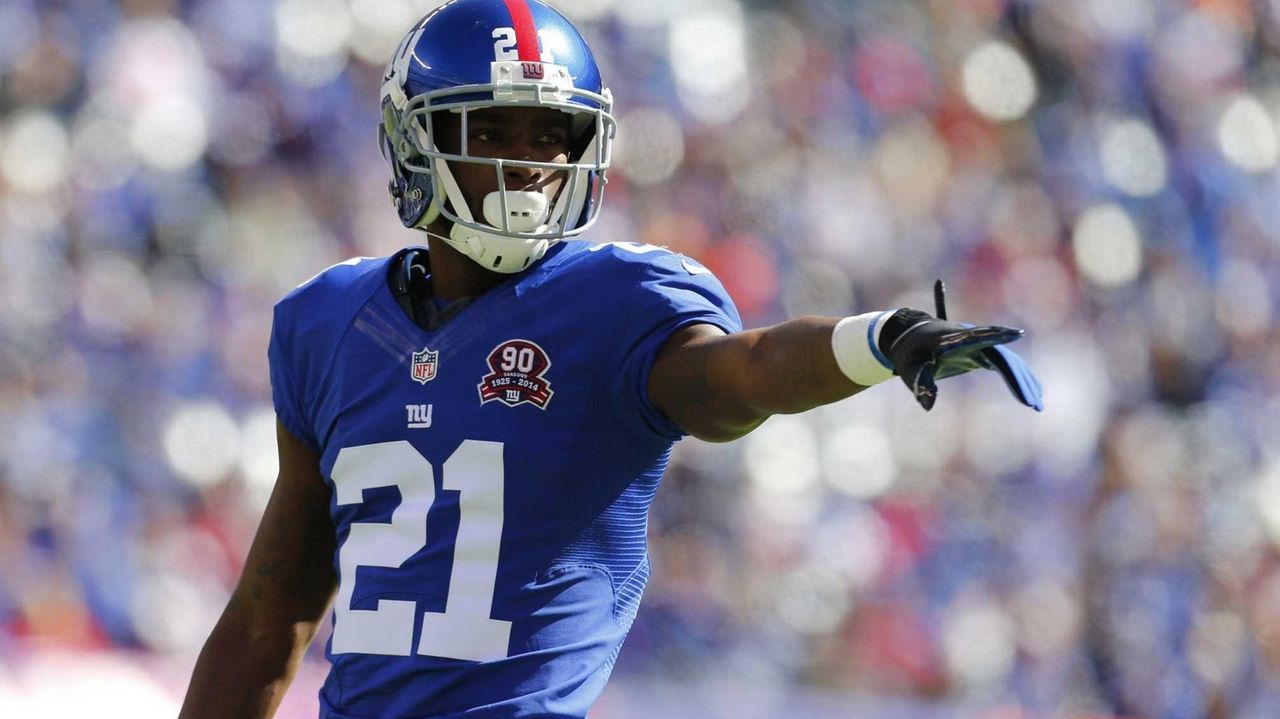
<point x="288" y="576"/>
<point x="692" y="383"/>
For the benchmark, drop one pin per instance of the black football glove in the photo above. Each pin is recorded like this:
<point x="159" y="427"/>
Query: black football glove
<point x="923" y="349"/>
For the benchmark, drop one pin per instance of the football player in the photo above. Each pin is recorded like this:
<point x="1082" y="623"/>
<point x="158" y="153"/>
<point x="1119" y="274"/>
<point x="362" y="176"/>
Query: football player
<point x="471" y="433"/>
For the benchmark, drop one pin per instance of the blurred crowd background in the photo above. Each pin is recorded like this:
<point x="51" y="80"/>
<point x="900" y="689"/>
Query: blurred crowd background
<point x="1101" y="172"/>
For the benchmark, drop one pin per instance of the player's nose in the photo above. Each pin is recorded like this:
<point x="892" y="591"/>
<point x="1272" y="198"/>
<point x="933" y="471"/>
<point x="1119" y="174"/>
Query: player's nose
<point x="519" y="178"/>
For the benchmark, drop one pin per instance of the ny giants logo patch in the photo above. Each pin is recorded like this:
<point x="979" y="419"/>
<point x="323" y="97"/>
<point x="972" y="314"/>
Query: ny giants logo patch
<point x="516" y="369"/>
<point x="424" y="365"/>
<point x="533" y="70"/>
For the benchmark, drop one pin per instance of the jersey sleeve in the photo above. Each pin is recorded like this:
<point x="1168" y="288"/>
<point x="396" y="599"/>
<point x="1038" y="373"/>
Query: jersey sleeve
<point x="285" y="390"/>
<point x="670" y="291"/>
<point x="306" y="328"/>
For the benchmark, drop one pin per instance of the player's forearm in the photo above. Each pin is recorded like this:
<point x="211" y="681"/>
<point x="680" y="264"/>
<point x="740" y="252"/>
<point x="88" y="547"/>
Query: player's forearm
<point x="719" y="387"/>
<point x="242" y="672"/>
<point x="783" y="369"/>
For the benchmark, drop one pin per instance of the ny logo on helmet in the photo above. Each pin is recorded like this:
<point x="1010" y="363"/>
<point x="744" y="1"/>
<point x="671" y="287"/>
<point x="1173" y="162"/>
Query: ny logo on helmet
<point x="533" y="70"/>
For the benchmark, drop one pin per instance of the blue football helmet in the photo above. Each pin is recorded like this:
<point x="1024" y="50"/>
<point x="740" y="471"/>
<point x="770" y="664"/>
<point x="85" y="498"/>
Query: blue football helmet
<point x="471" y="54"/>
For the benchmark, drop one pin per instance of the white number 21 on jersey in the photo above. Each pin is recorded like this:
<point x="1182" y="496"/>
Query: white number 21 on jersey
<point x="464" y="630"/>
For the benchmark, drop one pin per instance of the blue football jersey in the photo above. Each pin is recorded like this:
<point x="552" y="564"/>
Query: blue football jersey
<point x="491" y="478"/>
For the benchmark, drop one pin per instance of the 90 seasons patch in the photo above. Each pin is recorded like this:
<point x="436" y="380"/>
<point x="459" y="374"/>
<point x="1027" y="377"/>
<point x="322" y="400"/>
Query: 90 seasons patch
<point x="516" y="369"/>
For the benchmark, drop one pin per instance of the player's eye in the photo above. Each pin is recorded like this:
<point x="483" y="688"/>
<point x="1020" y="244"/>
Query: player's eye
<point x="554" y="138"/>
<point x="483" y="135"/>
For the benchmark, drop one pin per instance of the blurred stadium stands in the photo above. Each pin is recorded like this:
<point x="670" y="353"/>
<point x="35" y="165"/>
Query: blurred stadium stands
<point x="1102" y="172"/>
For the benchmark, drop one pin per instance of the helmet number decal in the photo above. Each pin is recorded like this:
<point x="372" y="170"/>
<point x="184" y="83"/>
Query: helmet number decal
<point x="505" y="50"/>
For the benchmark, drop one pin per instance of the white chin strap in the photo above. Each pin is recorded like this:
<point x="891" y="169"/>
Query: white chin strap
<point x="523" y="212"/>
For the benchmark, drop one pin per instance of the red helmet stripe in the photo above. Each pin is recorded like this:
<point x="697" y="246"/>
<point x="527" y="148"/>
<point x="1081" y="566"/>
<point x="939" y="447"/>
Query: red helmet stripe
<point x="526" y="31"/>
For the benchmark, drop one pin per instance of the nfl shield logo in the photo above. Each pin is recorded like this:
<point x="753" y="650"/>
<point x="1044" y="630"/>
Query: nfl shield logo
<point x="423" y="368"/>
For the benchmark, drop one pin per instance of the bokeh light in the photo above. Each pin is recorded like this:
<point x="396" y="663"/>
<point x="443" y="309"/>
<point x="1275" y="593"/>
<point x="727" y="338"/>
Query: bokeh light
<point x="201" y="442"/>
<point x="1247" y="135"/>
<point x="859" y="461"/>
<point x="1267" y="499"/>
<point x="169" y="133"/>
<point x="709" y="61"/>
<point x="176" y="608"/>
<point x="1074" y="370"/>
<point x="312" y="38"/>
<point x="34" y="154"/>
<point x="1108" y="249"/>
<point x="979" y="642"/>
<point x="149" y="60"/>
<point x="258" y="462"/>
<point x="1133" y="158"/>
<point x="378" y="26"/>
<point x="780" y="461"/>
<point x="998" y="82"/>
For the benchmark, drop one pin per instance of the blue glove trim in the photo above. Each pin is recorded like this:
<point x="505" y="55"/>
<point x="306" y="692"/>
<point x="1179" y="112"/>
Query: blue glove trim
<point x="1018" y="376"/>
<point x="871" y="341"/>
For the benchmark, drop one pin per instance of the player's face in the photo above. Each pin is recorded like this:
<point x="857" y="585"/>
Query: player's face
<point x="535" y="134"/>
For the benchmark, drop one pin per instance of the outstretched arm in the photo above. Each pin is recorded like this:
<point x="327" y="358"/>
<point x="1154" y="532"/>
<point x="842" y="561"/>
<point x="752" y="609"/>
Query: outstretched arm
<point x="284" y="592"/>
<point x="719" y="386"/>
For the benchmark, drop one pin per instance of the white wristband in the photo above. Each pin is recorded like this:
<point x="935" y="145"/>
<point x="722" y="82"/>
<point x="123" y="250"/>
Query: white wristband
<point x="855" y="344"/>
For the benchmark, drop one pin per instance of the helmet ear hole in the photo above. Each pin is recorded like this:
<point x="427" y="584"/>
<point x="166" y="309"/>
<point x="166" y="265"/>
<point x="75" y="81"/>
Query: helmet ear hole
<point x="389" y="131"/>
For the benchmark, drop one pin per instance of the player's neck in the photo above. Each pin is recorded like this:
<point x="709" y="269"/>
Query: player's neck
<point x="454" y="275"/>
